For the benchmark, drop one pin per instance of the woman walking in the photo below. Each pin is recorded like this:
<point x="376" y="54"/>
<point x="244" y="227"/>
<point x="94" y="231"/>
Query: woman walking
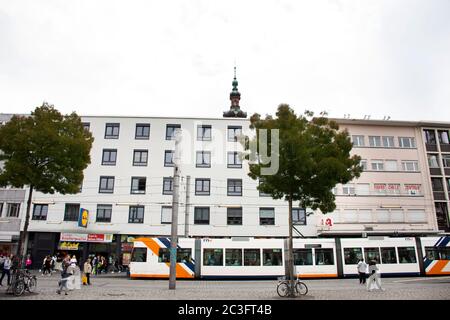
<point x="374" y="280"/>
<point x="65" y="276"/>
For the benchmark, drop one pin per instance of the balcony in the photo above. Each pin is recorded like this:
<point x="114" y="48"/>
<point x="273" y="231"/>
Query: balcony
<point x="431" y="147"/>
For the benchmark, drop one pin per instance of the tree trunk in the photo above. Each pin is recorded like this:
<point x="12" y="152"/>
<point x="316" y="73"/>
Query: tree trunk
<point x="290" y="259"/>
<point x="23" y="240"/>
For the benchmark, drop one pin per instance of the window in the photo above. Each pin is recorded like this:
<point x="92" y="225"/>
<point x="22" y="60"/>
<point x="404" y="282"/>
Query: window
<point x="138" y="185"/>
<point x="140" y="158"/>
<point x="166" y="214"/>
<point x="443" y="137"/>
<point x="388" y="142"/>
<point x="252" y="257"/>
<point x="167" y="185"/>
<point x="40" y="212"/>
<point x="358" y="141"/>
<point x="407" y="255"/>
<point x="390" y="165"/>
<point x="393" y="188"/>
<point x="352" y="255"/>
<point x="234" y="132"/>
<point x="303" y="257"/>
<point x="139" y="255"/>
<point x="183" y="255"/>
<point x="377" y="165"/>
<point x="104" y="212"/>
<point x="380" y="188"/>
<point x="410" y="166"/>
<point x="267" y="216"/>
<point x="406" y="142"/>
<point x="203" y="133"/>
<point x="234" y="187"/>
<point x="437" y="184"/>
<point x="213" y="257"/>
<point x="324" y="257"/>
<point x="112" y="131"/>
<point x="168" y="158"/>
<point x="272" y="257"/>
<point x="372" y="254"/>
<point x="348" y="189"/>
<point x="388" y="255"/>
<point x="142" y="131"/>
<point x="363" y="189"/>
<point x="203" y="159"/>
<point x="71" y="212"/>
<point x="201" y="215"/>
<point x="433" y="160"/>
<point x="446" y="160"/>
<point x="437" y="253"/>
<point x="86" y="126"/>
<point x="106" y="185"/>
<point x="170" y="131"/>
<point x="234" y="160"/>
<point x="430" y="137"/>
<point x="261" y="193"/>
<point x="299" y="216"/>
<point x="234" y="216"/>
<point x="363" y="164"/>
<point x="375" y="141"/>
<point x="12" y="210"/>
<point x="202" y="187"/>
<point x="136" y="214"/>
<point x="412" y="189"/>
<point x="233" y="257"/>
<point x="109" y="157"/>
<point x="1" y="208"/>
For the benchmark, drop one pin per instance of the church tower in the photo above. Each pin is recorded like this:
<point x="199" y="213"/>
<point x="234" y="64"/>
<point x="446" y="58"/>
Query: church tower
<point x="235" y="110"/>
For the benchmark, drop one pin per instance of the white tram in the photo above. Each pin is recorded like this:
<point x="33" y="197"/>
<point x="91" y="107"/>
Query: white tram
<point x="238" y="258"/>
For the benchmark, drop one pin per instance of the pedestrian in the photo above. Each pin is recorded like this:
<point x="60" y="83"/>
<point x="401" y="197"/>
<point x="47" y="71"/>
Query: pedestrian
<point x="362" y="268"/>
<point x="2" y="261"/>
<point x="374" y="281"/>
<point x="73" y="261"/>
<point x="63" y="283"/>
<point x="47" y="266"/>
<point x="87" y="269"/>
<point x="58" y="263"/>
<point x="94" y="265"/>
<point x="28" y="263"/>
<point x="53" y="263"/>
<point x="7" y="269"/>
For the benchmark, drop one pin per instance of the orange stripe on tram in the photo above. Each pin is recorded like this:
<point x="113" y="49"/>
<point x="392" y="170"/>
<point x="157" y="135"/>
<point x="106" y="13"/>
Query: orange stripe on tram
<point x="150" y="243"/>
<point x="437" y="268"/>
<point x="321" y="275"/>
<point x="181" y="272"/>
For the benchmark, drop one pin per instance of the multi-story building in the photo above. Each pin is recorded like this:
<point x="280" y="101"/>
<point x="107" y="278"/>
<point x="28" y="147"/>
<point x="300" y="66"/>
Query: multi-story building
<point x="128" y="186"/>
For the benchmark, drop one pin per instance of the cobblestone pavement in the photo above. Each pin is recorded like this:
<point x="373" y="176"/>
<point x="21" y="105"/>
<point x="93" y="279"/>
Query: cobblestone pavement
<point x="120" y="287"/>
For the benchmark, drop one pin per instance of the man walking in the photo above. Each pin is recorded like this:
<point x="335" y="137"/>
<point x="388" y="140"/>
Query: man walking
<point x="6" y="270"/>
<point x="362" y="267"/>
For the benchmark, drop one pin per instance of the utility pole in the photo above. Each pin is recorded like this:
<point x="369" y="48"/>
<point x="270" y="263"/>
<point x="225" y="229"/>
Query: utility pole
<point x="175" y="202"/>
<point x="186" y="208"/>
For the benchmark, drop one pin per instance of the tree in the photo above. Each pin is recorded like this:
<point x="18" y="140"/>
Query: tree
<point x="313" y="156"/>
<point x="46" y="152"/>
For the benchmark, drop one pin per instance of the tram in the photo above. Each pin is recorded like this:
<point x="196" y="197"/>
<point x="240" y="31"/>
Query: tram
<point x="240" y="258"/>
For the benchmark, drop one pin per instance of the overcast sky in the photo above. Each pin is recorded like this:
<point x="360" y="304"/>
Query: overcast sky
<point x="176" y="58"/>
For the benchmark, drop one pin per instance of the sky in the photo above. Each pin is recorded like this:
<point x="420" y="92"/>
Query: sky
<point x="176" y="58"/>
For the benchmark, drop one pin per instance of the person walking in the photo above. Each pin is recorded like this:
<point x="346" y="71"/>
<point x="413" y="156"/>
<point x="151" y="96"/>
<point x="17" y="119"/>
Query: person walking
<point x="374" y="281"/>
<point x="47" y="266"/>
<point x="28" y="263"/>
<point x="362" y="268"/>
<point x="87" y="269"/>
<point x="65" y="276"/>
<point x="7" y="270"/>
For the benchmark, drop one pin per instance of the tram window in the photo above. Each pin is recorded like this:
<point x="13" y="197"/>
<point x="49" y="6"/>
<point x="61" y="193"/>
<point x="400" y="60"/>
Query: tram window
<point x="303" y="257"/>
<point x="139" y="255"/>
<point x="372" y="254"/>
<point x="272" y="257"/>
<point x="407" y="254"/>
<point x="388" y="255"/>
<point x="213" y="257"/>
<point x="352" y="255"/>
<point x="252" y="257"/>
<point x="432" y="253"/>
<point x="445" y="253"/>
<point x="233" y="257"/>
<point x="324" y="257"/>
<point x="183" y="255"/>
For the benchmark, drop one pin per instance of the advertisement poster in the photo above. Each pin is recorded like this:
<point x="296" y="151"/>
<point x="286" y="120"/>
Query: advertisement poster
<point x="83" y="218"/>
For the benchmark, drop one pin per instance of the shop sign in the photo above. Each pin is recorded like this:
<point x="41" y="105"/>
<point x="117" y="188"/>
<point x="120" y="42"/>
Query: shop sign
<point x="79" y="237"/>
<point x="83" y="218"/>
<point x="68" y="245"/>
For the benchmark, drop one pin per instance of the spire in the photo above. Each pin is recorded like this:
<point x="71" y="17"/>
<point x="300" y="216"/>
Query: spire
<point x="235" y="96"/>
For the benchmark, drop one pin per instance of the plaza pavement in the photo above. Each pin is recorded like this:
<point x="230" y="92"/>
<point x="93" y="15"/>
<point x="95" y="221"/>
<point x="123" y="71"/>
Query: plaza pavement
<point x="120" y="287"/>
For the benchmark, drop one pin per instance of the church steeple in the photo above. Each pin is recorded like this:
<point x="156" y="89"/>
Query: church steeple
<point x="235" y="96"/>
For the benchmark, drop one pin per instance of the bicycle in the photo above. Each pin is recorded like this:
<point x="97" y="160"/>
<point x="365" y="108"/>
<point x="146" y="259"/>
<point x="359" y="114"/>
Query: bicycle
<point x="284" y="288"/>
<point x="22" y="280"/>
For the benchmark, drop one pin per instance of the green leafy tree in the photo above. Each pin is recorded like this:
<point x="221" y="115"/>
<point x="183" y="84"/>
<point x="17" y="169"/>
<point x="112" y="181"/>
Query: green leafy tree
<point x="46" y="152"/>
<point x="313" y="156"/>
